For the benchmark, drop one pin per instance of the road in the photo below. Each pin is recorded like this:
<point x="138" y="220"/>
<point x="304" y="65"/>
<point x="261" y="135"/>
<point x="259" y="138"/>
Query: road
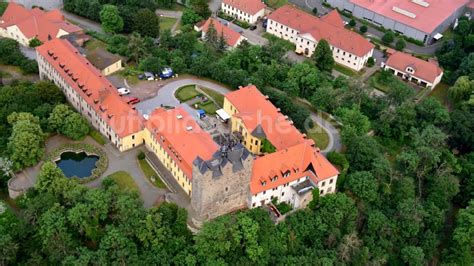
<point x="82" y="22"/>
<point x="166" y="96"/>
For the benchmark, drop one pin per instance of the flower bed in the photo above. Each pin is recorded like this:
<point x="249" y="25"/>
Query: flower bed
<point x="100" y="166"/>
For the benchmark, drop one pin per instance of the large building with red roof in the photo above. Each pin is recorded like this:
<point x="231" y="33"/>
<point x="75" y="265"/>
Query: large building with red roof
<point x="23" y="25"/>
<point x="422" y="20"/>
<point x="90" y="93"/>
<point x="418" y="71"/>
<point x="232" y="38"/>
<point x="305" y="31"/>
<point x="265" y="158"/>
<point x="249" y="11"/>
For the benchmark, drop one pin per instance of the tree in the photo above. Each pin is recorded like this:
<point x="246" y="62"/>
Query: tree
<point x="222" y="43"/>
<point x="323" y="56"/>
<point x="136" y="47"/>
<point x="388" y="37"/>
<point x="364" y="185"/>
<point x="110" y="18"/>
<point x="201" y="7"/>
<point x="461" y="90"/>
<point x="400" y="45"/>
<point x="211" y="36"/>
<point x="25" y="144"/>
<point x="152" y="64"/>
<point x="352" y="23"/>
<point x="412" y="255"/>
<point x="35" y="43"/>
<point x="147" y="23"/>
<point x="67" y="122"/>
<point x="362" y="151"/>
<point x="315" y="10"/>
<point x="190" y="17"/>
<point x="363" y="29"/>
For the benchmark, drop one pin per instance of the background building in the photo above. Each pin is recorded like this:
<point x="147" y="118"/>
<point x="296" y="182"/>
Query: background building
<point x="249" y="11"/>
<point x="418" y="19"/>
<point x="304" y="30"/>
<point x="232" y="38"/>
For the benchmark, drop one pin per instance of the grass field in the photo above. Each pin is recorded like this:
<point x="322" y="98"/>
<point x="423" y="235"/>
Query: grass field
<point x="440" y="92"/>
<point x="373" y="81"/>
<point x="186" y="93"/>
<point x="149" y="172"/>
<point x="276" y="3"/>
<point x="219" y="98"/>
<point x="124" y="181"/>
<point x="93" y="44"/>
<point x="167" y="23"/>
<point x="319" y="135"/>
<point x="345" y="70"/>
<point x="97" y="137"/>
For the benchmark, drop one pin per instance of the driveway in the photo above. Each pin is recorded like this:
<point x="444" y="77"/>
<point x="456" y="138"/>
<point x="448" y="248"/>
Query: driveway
<point x="82" y="22"/>
<point x="165" y="97"/>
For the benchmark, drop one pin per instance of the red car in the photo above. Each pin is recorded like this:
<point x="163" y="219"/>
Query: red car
<point x="134" y="100"/>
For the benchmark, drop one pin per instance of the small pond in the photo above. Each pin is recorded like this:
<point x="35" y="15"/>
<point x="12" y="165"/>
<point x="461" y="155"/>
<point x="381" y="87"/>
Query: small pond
<point x="77" y="164"/>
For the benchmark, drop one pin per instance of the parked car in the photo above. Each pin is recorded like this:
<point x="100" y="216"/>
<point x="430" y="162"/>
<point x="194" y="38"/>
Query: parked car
<point x="166" y="73"/>
<point x="141" y="76"/>
<point x="134" y="100"/>
<point x="123" y="91"/>
<point x="253" y="27"/>
<point x="149" y="76"/>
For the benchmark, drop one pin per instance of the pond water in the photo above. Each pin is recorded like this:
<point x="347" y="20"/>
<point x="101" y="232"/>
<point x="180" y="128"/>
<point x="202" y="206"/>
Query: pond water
<point x="77" y="164"/>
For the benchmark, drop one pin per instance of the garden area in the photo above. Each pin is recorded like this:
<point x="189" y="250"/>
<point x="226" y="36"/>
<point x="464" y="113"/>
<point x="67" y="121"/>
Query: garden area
<point x="319" y="135"/>
<point x="275" y="3"/>
<point x="124" y="181"/>
<point x="149" y="172"/>
<point x="203" y="98"/>
<point x="167" y="23"/>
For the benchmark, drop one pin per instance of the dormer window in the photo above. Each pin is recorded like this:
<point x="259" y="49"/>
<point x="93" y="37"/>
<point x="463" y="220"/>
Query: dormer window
<point x="103" y="109"/>
<point x="80" y="85"/>
<point x="110" y="116"/>
<point x="287" y="173"/>
<point x="50" y="53"/>
<point x="96" y="101"/>
<point x="263" y="183"/>
<point x="89" y="94"/>
<point x="410" y="70"/>
<point x="61" y="65"/>
<point x="273" y="179"/>
<point x="55" y="57"/>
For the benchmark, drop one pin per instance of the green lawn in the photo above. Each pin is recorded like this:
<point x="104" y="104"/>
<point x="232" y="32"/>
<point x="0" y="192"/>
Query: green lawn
<point x="345" y="70"/>
<point x="93" y="44"/>
<point x="209" y="108"/>
<point x="373" y="81"/>
<point x="167" y="23"/>
<point x="124" y="181"/>
<point x="219" y="98"/>
<point x="276" y="3"/>
<point x="149" y="172"/>
<point x="440" y="92"/>
<point x="186" y="93"/>
<point x="319" y="135"/>
<point x="97" y="137"/>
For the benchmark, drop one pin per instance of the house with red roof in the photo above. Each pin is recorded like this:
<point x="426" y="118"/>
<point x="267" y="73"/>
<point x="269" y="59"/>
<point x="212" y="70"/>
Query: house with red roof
<point x="287" y="163"/>
<point x="249" y="11"/>
<point x="90" y="93"/>
<point x="23" y="25"/>
<point x="423" y="20"/>
<point x="305" y="31"/>
<point x="418" y="71"/>
<point x="232" y="38"/>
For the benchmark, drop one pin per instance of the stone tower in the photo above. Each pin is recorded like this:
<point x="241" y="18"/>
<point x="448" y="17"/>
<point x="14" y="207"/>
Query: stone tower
<point x="222" y="184"/>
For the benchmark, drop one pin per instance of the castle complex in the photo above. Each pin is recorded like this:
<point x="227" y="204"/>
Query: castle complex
<point x="266" y="158"/>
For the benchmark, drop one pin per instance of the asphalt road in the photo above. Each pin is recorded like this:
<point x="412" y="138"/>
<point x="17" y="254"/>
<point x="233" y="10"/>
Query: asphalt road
<point x="82" y="22"/>
<point x="166" y="96"/>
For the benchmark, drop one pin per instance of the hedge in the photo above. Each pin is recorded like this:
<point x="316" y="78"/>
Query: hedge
<point x="101" y="164"/>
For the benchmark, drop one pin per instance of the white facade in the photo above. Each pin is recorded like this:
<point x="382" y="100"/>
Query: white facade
<point x="13" y="32"/>
<point x="287" y="193"/>
<point x="47" y="71"/>
<point x="410" y="75"/>
<point x="242" y="15"/>
<point x="306" y="44"/>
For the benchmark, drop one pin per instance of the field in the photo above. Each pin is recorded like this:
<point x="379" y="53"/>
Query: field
<point x="319" y="135"/>
<point x="167" y="23"/>
<point x="149" y="172"/>
<point x="276" y="3"/>
<point x="440" y="92"/>
<point x="124" y="181"/>
<point x="186" y="93"/>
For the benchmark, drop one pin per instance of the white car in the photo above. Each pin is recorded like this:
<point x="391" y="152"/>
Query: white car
<point x="123" y="91"/>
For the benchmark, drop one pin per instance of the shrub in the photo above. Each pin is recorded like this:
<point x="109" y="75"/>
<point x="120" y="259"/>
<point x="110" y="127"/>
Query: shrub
<point x="315" y="10"/>
<point x="363" y="29"/>
<point x="388" y="37"/>
<point x="400" y="45"/>
<point x="352" y="23"/>
<point x="35" y="43"/>
<point x="242" y="24"/>
<point x="97" y="137"/>
<point x="141" y="156"/>
<point x="370" y="62"/>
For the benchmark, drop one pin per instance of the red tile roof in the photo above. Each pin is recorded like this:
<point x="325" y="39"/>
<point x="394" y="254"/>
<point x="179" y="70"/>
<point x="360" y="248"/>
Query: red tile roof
<point x="182" y="136"/>
<point x="89" y="83"/>
<point x="427" y="18"/>
<point x="425" y="70"/>
<point x="248" y="6"/>
<point x="333" y="18"/>
<point x="299" y="161"/>
<point x="36" y="22"/>
<point x="324" y="28"/>
<point x="254" y="109"/>
<point x="231" y="36"/>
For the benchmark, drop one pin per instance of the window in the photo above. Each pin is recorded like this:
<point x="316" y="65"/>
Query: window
<point x="286" y="174"/>
<point x="275" y="178"/>
<point x="264" y="192"/>
<point x="133" y="136"/>
<point x="323" y="184"/>
<point x="253" y="204"/>
<point x="226" y="189"/>
<point x="264" y="183"/>
<point x="321" y="192"/>
<point x="330" y="181"/>
<point x="283" y="194"/>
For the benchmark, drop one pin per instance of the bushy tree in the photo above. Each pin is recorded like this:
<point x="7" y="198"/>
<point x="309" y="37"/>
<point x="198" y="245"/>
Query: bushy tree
<point x="147" y="23"/>
<point x="190" y="17"/>
<point x="35" y="43"/>
<point x="363" y="29"/>
<point x="401" y="44"/>
<point x="111" y="19"/>
<point x="67" y="122"/>
<point x="388" y="37"/>
<point x="323" y="56"/>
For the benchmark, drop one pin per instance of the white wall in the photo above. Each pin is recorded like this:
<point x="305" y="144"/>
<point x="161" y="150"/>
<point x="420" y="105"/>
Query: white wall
<point x="241" y="15"/>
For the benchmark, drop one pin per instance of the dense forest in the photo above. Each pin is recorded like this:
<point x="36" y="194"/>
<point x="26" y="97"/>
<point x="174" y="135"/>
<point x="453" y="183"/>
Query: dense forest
<point x="405" y="192"/>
